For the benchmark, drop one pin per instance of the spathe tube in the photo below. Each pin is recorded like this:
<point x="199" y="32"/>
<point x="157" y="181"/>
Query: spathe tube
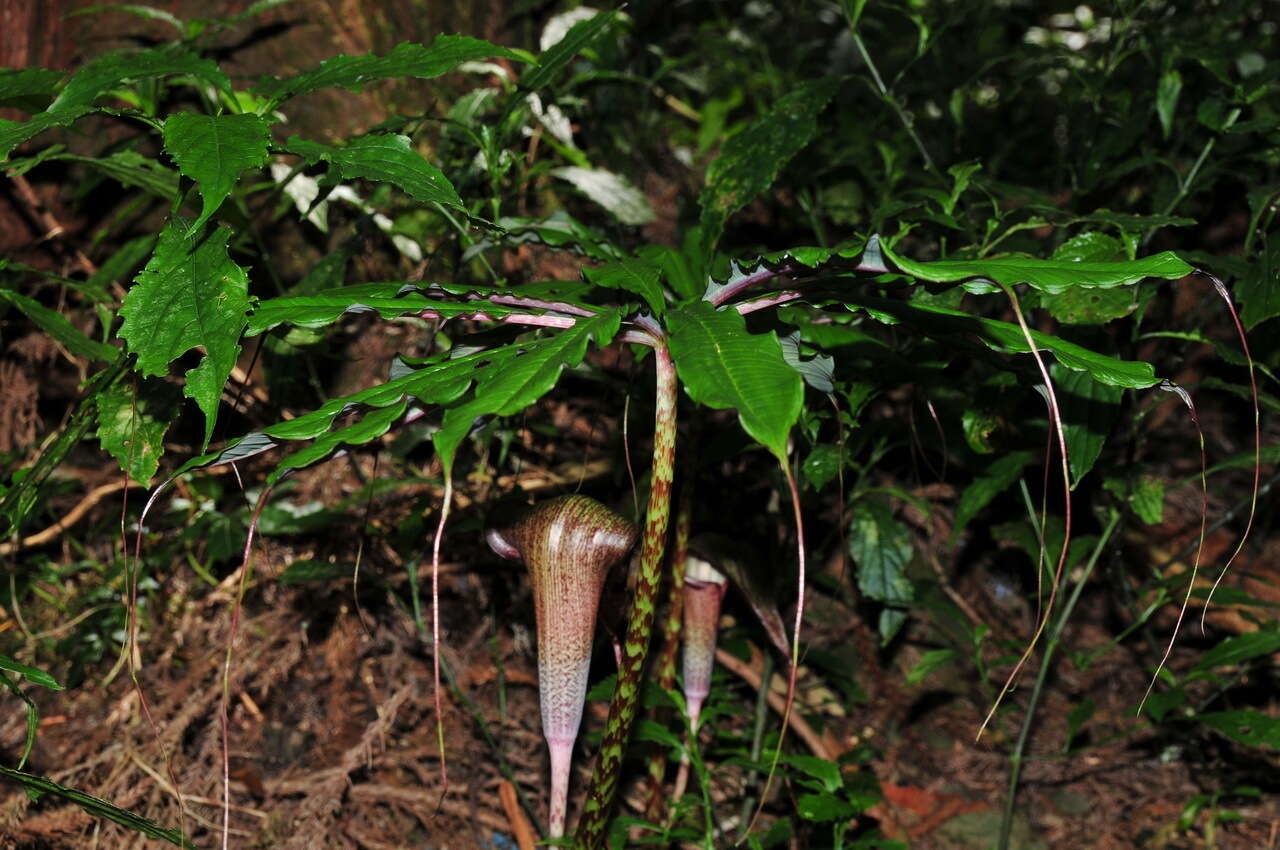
<point x="568" y="543"/>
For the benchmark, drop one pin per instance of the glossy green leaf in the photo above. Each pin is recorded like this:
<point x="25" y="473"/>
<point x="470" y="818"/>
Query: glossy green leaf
<point x="517" y="375"/>
<point x="389" y="300"/>
<point x="14" y="133"/>
<point x="824" y="807"/>
<point x="881" y="549"/>
<point x="1167" y="92"/>
<point x="1052" y="276"/>
<point x="1008" y="338"/>
<point x="148" y="12"/>
<point x="633" y="275"/>
<point x="1259" y="289"/>
<point x="994" y="480"/>
<point x="1089" y="409"/>
<point x="619" y="197"/>
<point x="132" y="422"/>
<point x="214" y="150"/>
<point x="750" y="160"/>
<point x="189" y="295"/>
<point x="724" y="366"/>
<point x="405" y="60"/>
<point x="29" y="89"/>
<point x="930" y="662"/>
<point x="56" y="325"/>
<point x="438" y="383"/>
<point x="1238" y="649"/>
<point x="370" y="427"/>
<point x="132" y="169"/>
<point x="103" y="73"/>
<point x="32" y="674"/>
<point x="826" y="772"/>
<point x="554" y="59"/>
<point x="385" y="158"/>
<point x="1252" y="728"/>
<point x="95" y="806"/>
<point x="560" y="230"/>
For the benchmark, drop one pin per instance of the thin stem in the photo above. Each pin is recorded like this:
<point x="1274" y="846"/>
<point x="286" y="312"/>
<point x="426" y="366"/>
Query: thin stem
<point x="1184" y="187"/>
<point x="635" y="648"/>
<point x="1051" y="646"/>
<point x="757" y="743"/>
<point x="893" y="101"/>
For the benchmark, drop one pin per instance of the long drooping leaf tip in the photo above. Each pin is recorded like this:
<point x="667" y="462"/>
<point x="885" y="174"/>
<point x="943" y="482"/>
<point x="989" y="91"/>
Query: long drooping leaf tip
<point x="704" y="588"/>
<point x="568" y="544"/>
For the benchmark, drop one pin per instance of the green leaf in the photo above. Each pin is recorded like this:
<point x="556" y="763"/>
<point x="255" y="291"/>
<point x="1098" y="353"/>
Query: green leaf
<point x="559" y="230"/>
<point x="553" y="60"/>
<point x="149" y="12"/>
<point x="934" y="659"/>
<point x="824" y="807"/>
<point x="98" y="76"/>
<point x="1007" y="337"/>
<point x="189" y="295"/>
<point x="1252" y="728"/>
<point x="633" y="275"/>
<point x="214" y="150"/>
<point x="95" y="806"/>
<point x="723" y="366"/>
<point x="439" y="383"/>
<point x="130" y="168"/>
<point x="405" y="60"/>
<point x="385" y="158"/>
<point x="1167" y="92"/>
<point x="993" y="481"/>
<point x="822" y="465"/>
<point x="1088" y="410"/>
<point x="302" y="572"/>
<point x="828" y="773"/>
<point x="32" y="674"/>
<point x="881" y="548"/>
<point x="1052" y="276"/>
<point x="750" y="160"/>
<point x="1090" y="305"/>
<point x="389" y="300"/>
<point x="371" y="427"/>
<point x="14" y="133"/>
<point x="612" y="191"/>
<point x="29" y="89"/>
<point x="1259" y="289"/>
<point x="57" y="326"/>
<point x="132" y="423"/>
<point x="516" y="376"/>
<point x="1237" y="649"/>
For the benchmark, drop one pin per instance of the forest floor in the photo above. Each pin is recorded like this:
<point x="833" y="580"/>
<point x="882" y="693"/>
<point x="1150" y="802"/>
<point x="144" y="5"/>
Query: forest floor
<point x="332" y="731"/>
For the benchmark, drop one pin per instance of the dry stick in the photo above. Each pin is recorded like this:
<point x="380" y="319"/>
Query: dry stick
<point x="72" y="516"/>
<point x="749" y="672"/>
<point x="50" y="224"/>
<point x="1055" y="418"/>
<point x="525" y="836"/>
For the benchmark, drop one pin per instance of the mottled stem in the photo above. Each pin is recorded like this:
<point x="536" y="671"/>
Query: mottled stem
<point x="626" y="694"/>
<point x="665" y="664"/>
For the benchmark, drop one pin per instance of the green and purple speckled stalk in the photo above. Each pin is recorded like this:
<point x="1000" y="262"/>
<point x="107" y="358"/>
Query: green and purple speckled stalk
<point x="626" y="696"/>
<point x="568" y="543"/>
